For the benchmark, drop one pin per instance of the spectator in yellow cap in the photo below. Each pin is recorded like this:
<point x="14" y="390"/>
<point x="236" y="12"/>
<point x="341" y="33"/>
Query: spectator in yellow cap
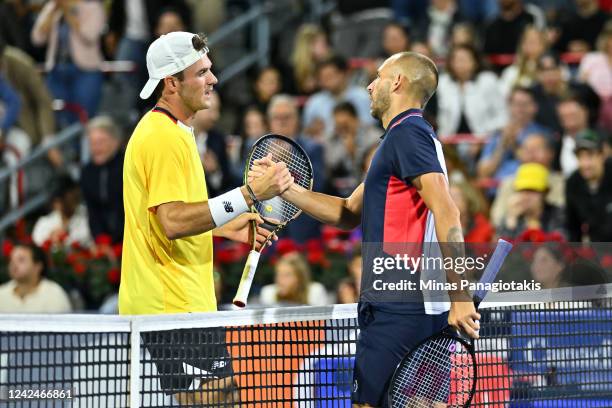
<point x="527" y="207"/>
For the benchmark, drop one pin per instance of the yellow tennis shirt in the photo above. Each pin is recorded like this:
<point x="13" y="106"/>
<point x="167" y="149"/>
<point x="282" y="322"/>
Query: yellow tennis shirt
<point x="158" y="275"/>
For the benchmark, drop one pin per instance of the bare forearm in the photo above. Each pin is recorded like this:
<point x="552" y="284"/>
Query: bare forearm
<point x="325" y="208"/>
<point x="449" y="232"/>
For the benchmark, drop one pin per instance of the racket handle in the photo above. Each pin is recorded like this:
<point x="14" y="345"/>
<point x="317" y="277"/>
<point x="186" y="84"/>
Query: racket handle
<point x="248" y="273"/>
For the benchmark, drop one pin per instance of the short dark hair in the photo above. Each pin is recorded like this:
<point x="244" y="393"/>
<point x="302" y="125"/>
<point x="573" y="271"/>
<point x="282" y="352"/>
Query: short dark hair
<point x="64" y="185"/>
<point x="346" y="107"/>
<point x="38" y="256"/>
<point x="336" y="61"/>
<point x="199" y="42"/>
<point x="523" y="89"/>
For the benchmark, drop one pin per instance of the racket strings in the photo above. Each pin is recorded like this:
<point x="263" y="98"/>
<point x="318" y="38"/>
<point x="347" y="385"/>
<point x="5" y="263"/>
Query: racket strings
<point x="276" y="209"/>
<point x="438" y="373"/>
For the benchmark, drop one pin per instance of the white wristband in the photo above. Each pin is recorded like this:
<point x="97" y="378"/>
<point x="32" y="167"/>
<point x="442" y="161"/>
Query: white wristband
<point x="228" y="206"/>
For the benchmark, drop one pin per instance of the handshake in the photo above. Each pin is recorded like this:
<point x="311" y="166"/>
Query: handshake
<point x="268" y="179"/>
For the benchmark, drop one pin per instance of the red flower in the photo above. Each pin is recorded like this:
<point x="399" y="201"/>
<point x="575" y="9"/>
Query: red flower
<point x="79" y="268"/>
<point x="75" y="246"/>
<point x="7" y="248"/>
<point x="104" y="239"/>
<point x="114" y="276"/>
<point x="46" y="246"/>
<point x="224" y="256"/>
<point x="118" y="250"/>
<point x="606" y="261"/>
<point x="72" y="258"/>
<point x="285" y="246"/>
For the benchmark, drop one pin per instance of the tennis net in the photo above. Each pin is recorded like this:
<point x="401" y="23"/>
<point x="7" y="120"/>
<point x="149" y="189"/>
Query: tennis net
<point x="556" y="353"/>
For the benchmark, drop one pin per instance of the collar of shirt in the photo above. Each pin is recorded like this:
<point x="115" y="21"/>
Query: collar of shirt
<point x="166" y="112"/>
<point x="401" y="117"/>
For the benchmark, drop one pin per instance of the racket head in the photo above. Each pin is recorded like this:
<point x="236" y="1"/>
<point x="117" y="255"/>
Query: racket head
<point x="439" y="371"/>
<point x="277" y="211"/>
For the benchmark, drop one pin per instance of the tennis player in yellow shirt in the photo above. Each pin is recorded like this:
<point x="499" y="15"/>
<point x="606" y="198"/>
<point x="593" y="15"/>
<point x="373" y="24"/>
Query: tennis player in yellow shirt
<point x="167" y="264"/>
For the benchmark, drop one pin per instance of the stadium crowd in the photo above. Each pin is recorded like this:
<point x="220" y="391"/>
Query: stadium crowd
<point x="523" y="107"/>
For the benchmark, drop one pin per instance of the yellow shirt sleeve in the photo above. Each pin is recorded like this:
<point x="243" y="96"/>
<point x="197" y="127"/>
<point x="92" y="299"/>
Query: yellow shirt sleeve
<point x="167" y="172"/>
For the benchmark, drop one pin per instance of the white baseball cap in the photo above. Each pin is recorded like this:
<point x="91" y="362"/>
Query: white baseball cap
<point x="169" y="54"/>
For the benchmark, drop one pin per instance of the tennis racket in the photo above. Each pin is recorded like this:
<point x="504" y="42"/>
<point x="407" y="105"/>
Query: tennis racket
<point x="441" y="371"/>
<point x="275" y="212"/>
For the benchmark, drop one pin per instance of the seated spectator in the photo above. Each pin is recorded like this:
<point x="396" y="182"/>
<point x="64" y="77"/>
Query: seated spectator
<point x="17" y="142"/>
<point x="169" y="20"/>
<point x="437" y="24"/>
<point x="347" y="292"/>
<point x="523" y="71"/>
<point x="102" y="179"/>
<point x="311" y="47"/>
<point x="502" y="35"/>
<point x="574" y="117"/>
<point x="395" y="38"/>
<point x="536" y="148"/>
<point x="464" y="34"/>
<point x="469" y="99"/>
<point x="212" y="147"/>
<point x="292" y="284"/>
<point x="254" y="125"/>
<point x="595" y="70"/>
<point x="333" y="77"/>
<point x="36" y="115"/>
<point x="344" y="151"/>
<point x="67" y="223"/>
<point x="589" y="192"/>
<point x="499" y="158"/>
<point x="549" y="267"/>
<point x="29" y="291"/>
<point x="72" y="30"/>
<point x="527" y="208"/>
<point x="553" y="85"/>
<point x="266" y="85"/>
<point x="284" y="119"/>
<point x="476" y="226"/>
<point x="580" y="31"/>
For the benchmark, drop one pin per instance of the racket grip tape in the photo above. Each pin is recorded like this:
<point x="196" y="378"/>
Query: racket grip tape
<point x="248" y="274"/>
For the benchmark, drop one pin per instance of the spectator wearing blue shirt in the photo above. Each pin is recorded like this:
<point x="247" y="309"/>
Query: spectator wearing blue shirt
<point x="11" y="106"/>
<point x="334" y="83"/>
<point x="498" y="159"/>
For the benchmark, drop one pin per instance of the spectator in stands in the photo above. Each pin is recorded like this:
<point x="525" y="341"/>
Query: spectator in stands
<point x="502" y="35"/>
<point x="536" y="148"/>
<point x="102" y="179"/>
<point x="589" y="192"/>
<point x="29" y="291"/>
<point x="267" y="84"/>
<point x="579" y="33"/>
<point x="254" y="126"/>
<point x="131" y="27"/>
<point x="436" y="27"/>
<point x="344" y="151"/>
<point x="168" y="21"/>
<point x="548" y="266"/>
<point x="292" y="284"/>
<point x="212" y="147"/>
<point x="469" y="99"/>
<point x="574" y="116"/>
<point x="499" y="158"/>
<point x="36" y="116"/>
<point x="527" y="208"/>
<point x="523" y="72"/>
<point x="595" y="70"/>
<point x="395" y="38"/>
<point x="347" y="292"/>
<point x="554" y="85"/>
<point x="476" y="226"/>
<point x="67" y="223"/>
<point x="284" y="119"/>
<point x="464" y="34"/>
<point x="333" y="77"/>
<point x="12" y="26"/>
<point x="310" y="48"/>
<point x="16" y="140"/>
<point x="72" y="30"/>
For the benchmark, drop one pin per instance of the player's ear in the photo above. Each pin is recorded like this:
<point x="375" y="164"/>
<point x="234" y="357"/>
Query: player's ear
<point x="397" y="82"/>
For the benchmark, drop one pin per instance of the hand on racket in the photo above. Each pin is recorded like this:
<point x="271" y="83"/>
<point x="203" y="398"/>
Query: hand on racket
<point x="240" y="230"/>
<point x="282" y="155"/>
<point x="424" y="376"/>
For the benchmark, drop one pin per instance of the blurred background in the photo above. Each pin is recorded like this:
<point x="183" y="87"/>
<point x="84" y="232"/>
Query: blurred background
<point x="523" y="108"/>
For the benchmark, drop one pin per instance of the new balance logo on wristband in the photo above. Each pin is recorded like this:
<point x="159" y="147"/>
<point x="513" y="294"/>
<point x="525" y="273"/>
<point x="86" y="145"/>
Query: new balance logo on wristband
<point x="228" y="207"/>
